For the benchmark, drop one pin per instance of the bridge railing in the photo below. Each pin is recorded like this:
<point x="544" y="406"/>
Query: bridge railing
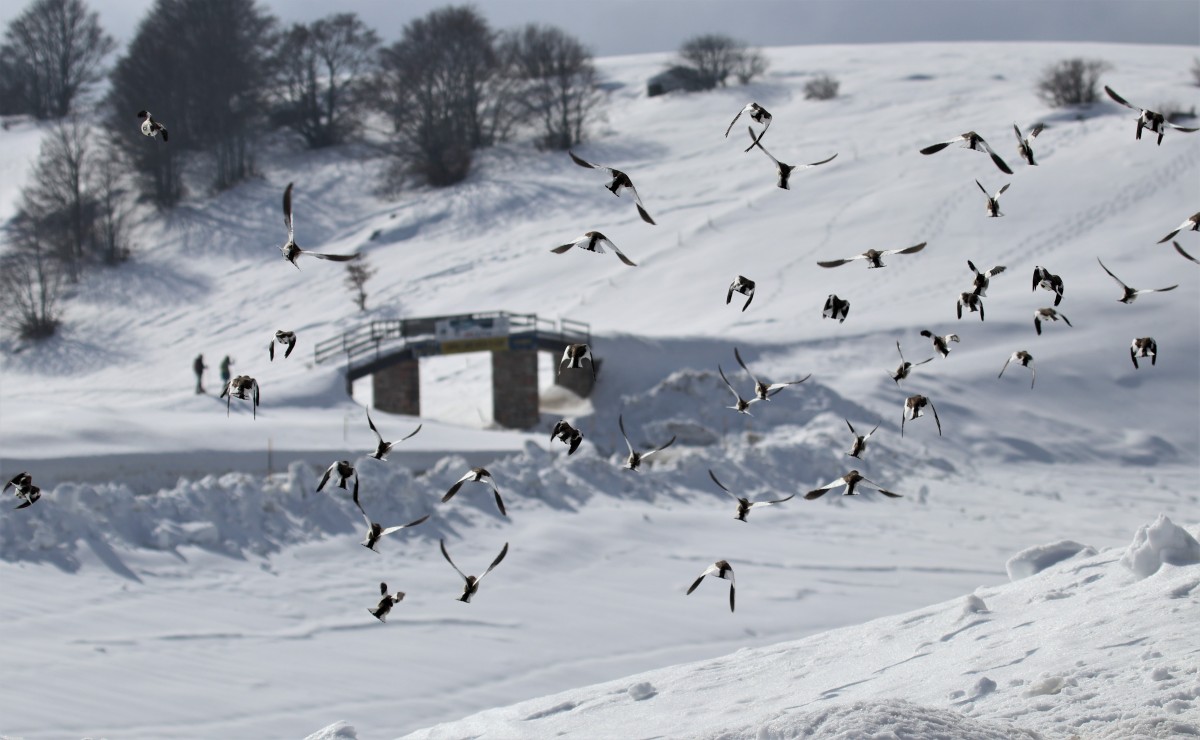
<point x="370" y="340"/>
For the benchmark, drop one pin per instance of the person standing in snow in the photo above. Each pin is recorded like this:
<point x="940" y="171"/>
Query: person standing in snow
<point x="225" y="363"/>
<point x="199" y="367"/>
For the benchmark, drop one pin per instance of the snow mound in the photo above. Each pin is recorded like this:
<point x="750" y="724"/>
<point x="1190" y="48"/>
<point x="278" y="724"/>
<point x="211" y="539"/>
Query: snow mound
<point x="1035" y="559"/>
<point x="883" y="720"/>
<point x="1158" y="543"/>
<point x="337" y="731"/>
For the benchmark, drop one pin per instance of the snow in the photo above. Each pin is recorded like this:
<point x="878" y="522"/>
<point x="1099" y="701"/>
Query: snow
<point x="181" y="576"/>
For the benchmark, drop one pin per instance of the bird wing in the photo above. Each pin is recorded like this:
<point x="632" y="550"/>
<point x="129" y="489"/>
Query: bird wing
<point x="749" y="298"/>
<point x="1177" y="127"/>
<point x="331" y="257"/>
<point x="776" y="387"/>
<point x="729" y="293"/>
<point x="565" y="247"/>
<point x="448" y="560"/>
<point x="876" y="486"/>
<point x="735" y="120"/>
<point x="879" y="422"/>
<point x="815" y="164"/>
<point x="1037" y="129"/>
<point x="1158" y="290"/>
<point x="287" y="212"/>
<point x="1001" y="375"/>
<point x="271" y="350"/>
<point x="366" y="518"/>
<point x="454" y="488"/>
<point x="981" y="187"/>
<point x="389" y="530"/>
<point x="1185" y="254"/>
<point x="819" y="492"/>
<point x="994" y="271"/>
<point x="1001" y="191"/>
<point x="411" y="434"/>
<point x="373" y="429"/>
<point x="839" y="263"/>
<point x="720" y="485"/>
<point x="621" y="423"/>
<point x="711" y="569"/>
<point x="907" y="250"/>
<point x="585" y="163"/>
<point x="935" y="418"/>
<point x="1020" y="139"/>
<point x="1033" y="371"/>
<point x="495" y="562"/>
<point x="1114" y="277"/>
<point x="620" y="255"/>
<point x="325" y="478"/>
<point x="737" y="356"/>
<point x="659" y="449"/>
<point x="1120" y="99"/>
<point x="771" y="503"/>
<point x="851" y="427"/>
<point x="935" y="148"/>
<point x="727" y="383"/>
<point x="643" y="213"/>
<point x="756" y="143"/>
<point x="926" y="333"/>
<point x="291" y="346"/>
<point x="995" y="157"/>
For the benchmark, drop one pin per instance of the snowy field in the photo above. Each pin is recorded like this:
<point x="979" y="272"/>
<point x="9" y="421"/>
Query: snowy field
<point x="175" y="581"/>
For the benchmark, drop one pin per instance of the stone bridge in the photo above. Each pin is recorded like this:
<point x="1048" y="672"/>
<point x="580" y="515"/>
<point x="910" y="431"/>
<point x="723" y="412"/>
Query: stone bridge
<point x="390" y="352"/>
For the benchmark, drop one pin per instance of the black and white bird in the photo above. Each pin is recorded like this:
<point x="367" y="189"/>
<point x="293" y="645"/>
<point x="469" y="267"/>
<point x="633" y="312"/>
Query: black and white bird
<point x="983" y="279"/>
<point x="477" y="475"/>
<point x="151" y="127"/>
<point x="619" y="181"/>
<point x="744" y="504"/>
<point x="1185" y="254"/>
<point x="471" y="586"/>
<point x="913" y="406"/>
<point x="386" y="603"/>
<point x="1192" y="224"/>
<point x="594" y="241"/>
<point x="1044" y="279"/>
<point x="1024" y="149"/>
<point x="764" y="391"/>
<point x="874" y="257"/>
<point x="292" y="251"/>
<point x="1024" y="359"/>
<point x="1132" y="293"/>
<point x="940" y="343"/>
<point x="720" y="569"/>
<point x="993" y="201"/>
<point x="23" y="489"/>
<point x="741" y="405"/>
<point x="1047" y="314"/>
<point x="1143" y="347"/>
<point x="564" y="432"/>
<point x="1156" y="122"/>
<point x="860" y="440"/>
<point x="903" y="369"/>
<point x="238" y="387"/>
<point x="756" y="113"/>
<point x="784" y="171"/>
<point x="835" y="308"/>
<point x="375" y="531"/>
<point x="743" y="285"/>
<point x="282" y="337"/>
<point x="851" y="481"/>
<point x="344" y="472"/>
<point x="574" y="356"/>
<point x="383" y="448"/>
<point x="634" y="461"/>
<point x="970" y="140"/>
<point x="972" y="301"/>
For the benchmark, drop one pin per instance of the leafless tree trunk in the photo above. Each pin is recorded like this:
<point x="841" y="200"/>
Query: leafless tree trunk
<point x="54" y="50"/>
<point x="322" y="70"/>
<point x="358" y="272"/>
<point x="556" y="82"/>
<point x="30" y="283"/>
<point x="55" y="199"/>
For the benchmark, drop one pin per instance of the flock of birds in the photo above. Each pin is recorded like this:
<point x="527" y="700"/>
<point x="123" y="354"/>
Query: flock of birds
<point x="342" y="473"/>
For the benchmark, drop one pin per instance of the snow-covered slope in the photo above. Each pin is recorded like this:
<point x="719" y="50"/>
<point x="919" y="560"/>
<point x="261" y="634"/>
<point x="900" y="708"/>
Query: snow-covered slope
<point x="1089" y="647"/>
<point x="233" y="604"/>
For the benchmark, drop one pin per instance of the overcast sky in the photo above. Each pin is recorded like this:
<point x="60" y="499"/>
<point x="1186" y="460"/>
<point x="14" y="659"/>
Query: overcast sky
<point x="634" y="26"/>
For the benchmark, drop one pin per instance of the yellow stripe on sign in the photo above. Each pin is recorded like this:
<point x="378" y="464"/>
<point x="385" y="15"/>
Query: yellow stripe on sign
<point x="483" y="344"/>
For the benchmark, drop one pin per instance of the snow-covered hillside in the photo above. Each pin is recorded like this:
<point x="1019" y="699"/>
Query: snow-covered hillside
<point x="232" y="603"/>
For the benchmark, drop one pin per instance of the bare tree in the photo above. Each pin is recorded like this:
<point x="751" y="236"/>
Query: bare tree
<point x="55" y="201"/>
<point x="31" y="281"/>
<point x="1071" y="81"/>
<point x="322" y="70"/>
<point x="202" y="68"/>
<point x="54" y="52"/>
<point x="821" y="87"/>
<point x="109" y="186"/>
<point x="358" y="272"/>
<point x="556" y="82"/>
<point x="440" y="85"/>
<point x="715" y="57"/>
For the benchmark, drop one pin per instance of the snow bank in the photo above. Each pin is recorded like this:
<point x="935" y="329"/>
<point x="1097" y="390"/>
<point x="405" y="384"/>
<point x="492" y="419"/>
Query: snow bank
<point x="1040" y="557"/>
<point x="337" y="731"/>
<point x="1158" y="543"/>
